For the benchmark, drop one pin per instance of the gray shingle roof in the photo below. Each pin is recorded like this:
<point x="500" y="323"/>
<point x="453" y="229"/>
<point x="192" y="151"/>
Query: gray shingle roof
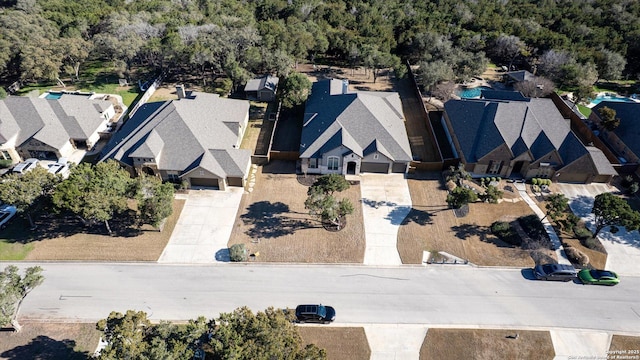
<point x="601" y="162"/>
<point x="52" y="122"/>
<point x="520" y="75"/>
<point x="629" y="129"/>
<point x="503" y="95"/>
<point x="536" y="126"/>
<point x="355" y="120"/>
<point x="263" y="82"/>
<point x="195" y="131"/>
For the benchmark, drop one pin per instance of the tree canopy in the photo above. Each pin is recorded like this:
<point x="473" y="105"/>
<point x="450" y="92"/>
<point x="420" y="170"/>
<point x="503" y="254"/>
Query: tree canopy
<point x="22" y="191"/>
<point x="295" y="90"/>
<point x="240" y="334"/>
<point x="321" y="202"/>
<point x="95" y="193"/>
<point x="14" y="289"/>
<point x="613" y="211"/>
<point x="572" y="42"/>
<point x="608" y="118"/>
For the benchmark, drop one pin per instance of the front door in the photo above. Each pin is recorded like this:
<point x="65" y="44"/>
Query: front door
<point x="351" y="168"/>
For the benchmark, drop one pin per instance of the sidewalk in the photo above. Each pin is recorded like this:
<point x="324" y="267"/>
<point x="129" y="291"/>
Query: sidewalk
<point x="555" y="240"/>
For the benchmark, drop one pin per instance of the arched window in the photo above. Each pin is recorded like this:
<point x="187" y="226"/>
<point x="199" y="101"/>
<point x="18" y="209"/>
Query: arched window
<point x="332" y="163"/>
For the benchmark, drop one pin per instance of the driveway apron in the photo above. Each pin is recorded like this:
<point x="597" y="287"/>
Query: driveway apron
<point x="386" y="201"/>
<point x="623" y="248"/>
<point x="202" y="232"/>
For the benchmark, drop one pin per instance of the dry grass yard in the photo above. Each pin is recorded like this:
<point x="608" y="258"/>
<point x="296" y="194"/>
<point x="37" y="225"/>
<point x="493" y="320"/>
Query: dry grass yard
<point x="625" y="343"/>
<point x="480" y="344"/>
<point x="273" y="222"/>
<point x="69" y="341"/>
<point x="67" y="242"/>
<point x="432" y="226"/>
<point x="341" y="343"/>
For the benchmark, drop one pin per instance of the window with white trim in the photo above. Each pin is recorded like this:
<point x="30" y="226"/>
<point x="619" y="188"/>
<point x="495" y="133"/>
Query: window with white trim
<point x="375" y="156"/>
<point x="173" y="177"/>
<point x="313" y="163"/>
<point x="332" y="163"/>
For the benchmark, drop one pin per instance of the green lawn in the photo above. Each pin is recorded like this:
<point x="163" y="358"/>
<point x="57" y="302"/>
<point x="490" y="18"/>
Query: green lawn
<point x="96" y="76"/>
<point x="584" y="110"/>
<point x="12" y="244"/>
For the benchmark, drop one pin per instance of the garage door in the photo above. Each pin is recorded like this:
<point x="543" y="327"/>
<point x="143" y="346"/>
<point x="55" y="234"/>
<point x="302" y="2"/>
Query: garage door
<point x="374" y="167"/>
<point x="234" y="181"/>
<point x="399" y="168"/>
<point x="204" y="182"/>
<point x="573" y="177"/>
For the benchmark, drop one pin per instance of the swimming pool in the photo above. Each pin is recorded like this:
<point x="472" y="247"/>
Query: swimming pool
<point x="472" y="93"/>
<point x="614" y="98"/>
<point x="53" y="96"/>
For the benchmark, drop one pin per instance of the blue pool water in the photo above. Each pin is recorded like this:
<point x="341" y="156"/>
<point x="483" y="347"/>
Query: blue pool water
<point x="472" y="93"/>
<point x="53" y="96"/>
<point x="614" y="98"/>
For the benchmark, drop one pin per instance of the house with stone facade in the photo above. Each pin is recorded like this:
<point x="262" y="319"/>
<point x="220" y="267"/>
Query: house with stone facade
<point x="352" y="132"/>
<point x="193" y="140"/>
<point x="51" y="128"/>
<point x="525" y="139"/>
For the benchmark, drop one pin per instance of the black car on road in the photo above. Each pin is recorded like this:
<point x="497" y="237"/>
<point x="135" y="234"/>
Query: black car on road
<point x="555" y="272"/>
<point x="315" y="313"/>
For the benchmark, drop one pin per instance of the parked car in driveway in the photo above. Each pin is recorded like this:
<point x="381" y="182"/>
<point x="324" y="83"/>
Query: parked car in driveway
<point x="315" y="313"/>
<point x="7" y="212"/>
<point x="59" y="167"/>
<point x="555" y="272"/>
<point x="26" y="166"/>
<point x="598" y="277"/>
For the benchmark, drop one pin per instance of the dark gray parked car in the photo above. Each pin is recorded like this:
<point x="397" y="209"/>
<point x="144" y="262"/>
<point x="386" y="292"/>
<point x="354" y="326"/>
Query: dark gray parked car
<point x="555" y="272"/>
<point x="315" y="313"/>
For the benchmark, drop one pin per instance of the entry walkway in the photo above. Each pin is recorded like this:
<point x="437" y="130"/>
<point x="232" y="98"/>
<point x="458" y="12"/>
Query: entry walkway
<point x="555" y="240"/>
<point x="202" y="232"/>
<point x="386" y="201"/>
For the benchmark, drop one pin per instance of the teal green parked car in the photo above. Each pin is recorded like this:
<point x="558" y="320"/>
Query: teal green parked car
<point x="598" y="277"/>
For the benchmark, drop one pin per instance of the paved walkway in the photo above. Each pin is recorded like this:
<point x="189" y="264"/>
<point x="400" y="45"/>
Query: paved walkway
<point x="395" y="342"/>
<point x="386" y="201"/>
<point x="623" y="247"/>
<point x="555" y="240"/>
<point x="202" y="232"/>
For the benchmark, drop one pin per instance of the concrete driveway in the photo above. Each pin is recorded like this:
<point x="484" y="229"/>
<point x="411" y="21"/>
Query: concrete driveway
<point x="386" y="201"/>
<point x="202" y="232"/>
<point x="623" y="248"/>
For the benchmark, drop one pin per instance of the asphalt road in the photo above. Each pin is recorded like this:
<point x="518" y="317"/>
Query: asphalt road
<point x="435" y="295"/>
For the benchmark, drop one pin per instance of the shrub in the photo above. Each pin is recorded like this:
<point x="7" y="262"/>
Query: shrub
<point x="633" y="188"/>
<point x="535" y="188"/>
<point x="576" y="256"/>
<point x="238" y="252"/>
<point x="582" y="232"/>
<point x="534" y="181"/>
<point x="627" y="181"/>
<point x="591" y="243"/>
<point x="532" y="225"/>
<point x="572" y="220"/>
<point x="493" y="179"/>
<point x="548" y="182"/>
<point x="503" y="230"/>
<point x="5" y="164"/>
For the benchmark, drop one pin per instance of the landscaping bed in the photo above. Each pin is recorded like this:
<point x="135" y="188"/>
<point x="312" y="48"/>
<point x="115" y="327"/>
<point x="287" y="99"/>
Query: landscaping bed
<point x="273" y="223"/>
<point x="432" y="226"/>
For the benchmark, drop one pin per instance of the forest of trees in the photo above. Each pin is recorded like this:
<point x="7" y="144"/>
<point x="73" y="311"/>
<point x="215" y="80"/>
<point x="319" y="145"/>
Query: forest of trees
<point x="571" y="42"/>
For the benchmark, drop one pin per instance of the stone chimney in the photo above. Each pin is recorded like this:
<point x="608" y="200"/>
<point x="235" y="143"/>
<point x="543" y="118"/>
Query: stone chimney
<point x="181" y="92"/>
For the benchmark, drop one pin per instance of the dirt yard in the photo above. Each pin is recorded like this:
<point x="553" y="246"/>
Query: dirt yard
<point x="625" y="344"/>
<point x="483" y="344"/>
<point x="69" y="341"/>
<point x="341" y="343"/>
<point x="432" y="226"/>
<point x="70" y="244"/>
<point x="274" y="224"/>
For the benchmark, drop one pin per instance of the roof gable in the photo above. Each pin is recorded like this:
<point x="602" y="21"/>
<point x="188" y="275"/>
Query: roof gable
<point x="354" y="120"/>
